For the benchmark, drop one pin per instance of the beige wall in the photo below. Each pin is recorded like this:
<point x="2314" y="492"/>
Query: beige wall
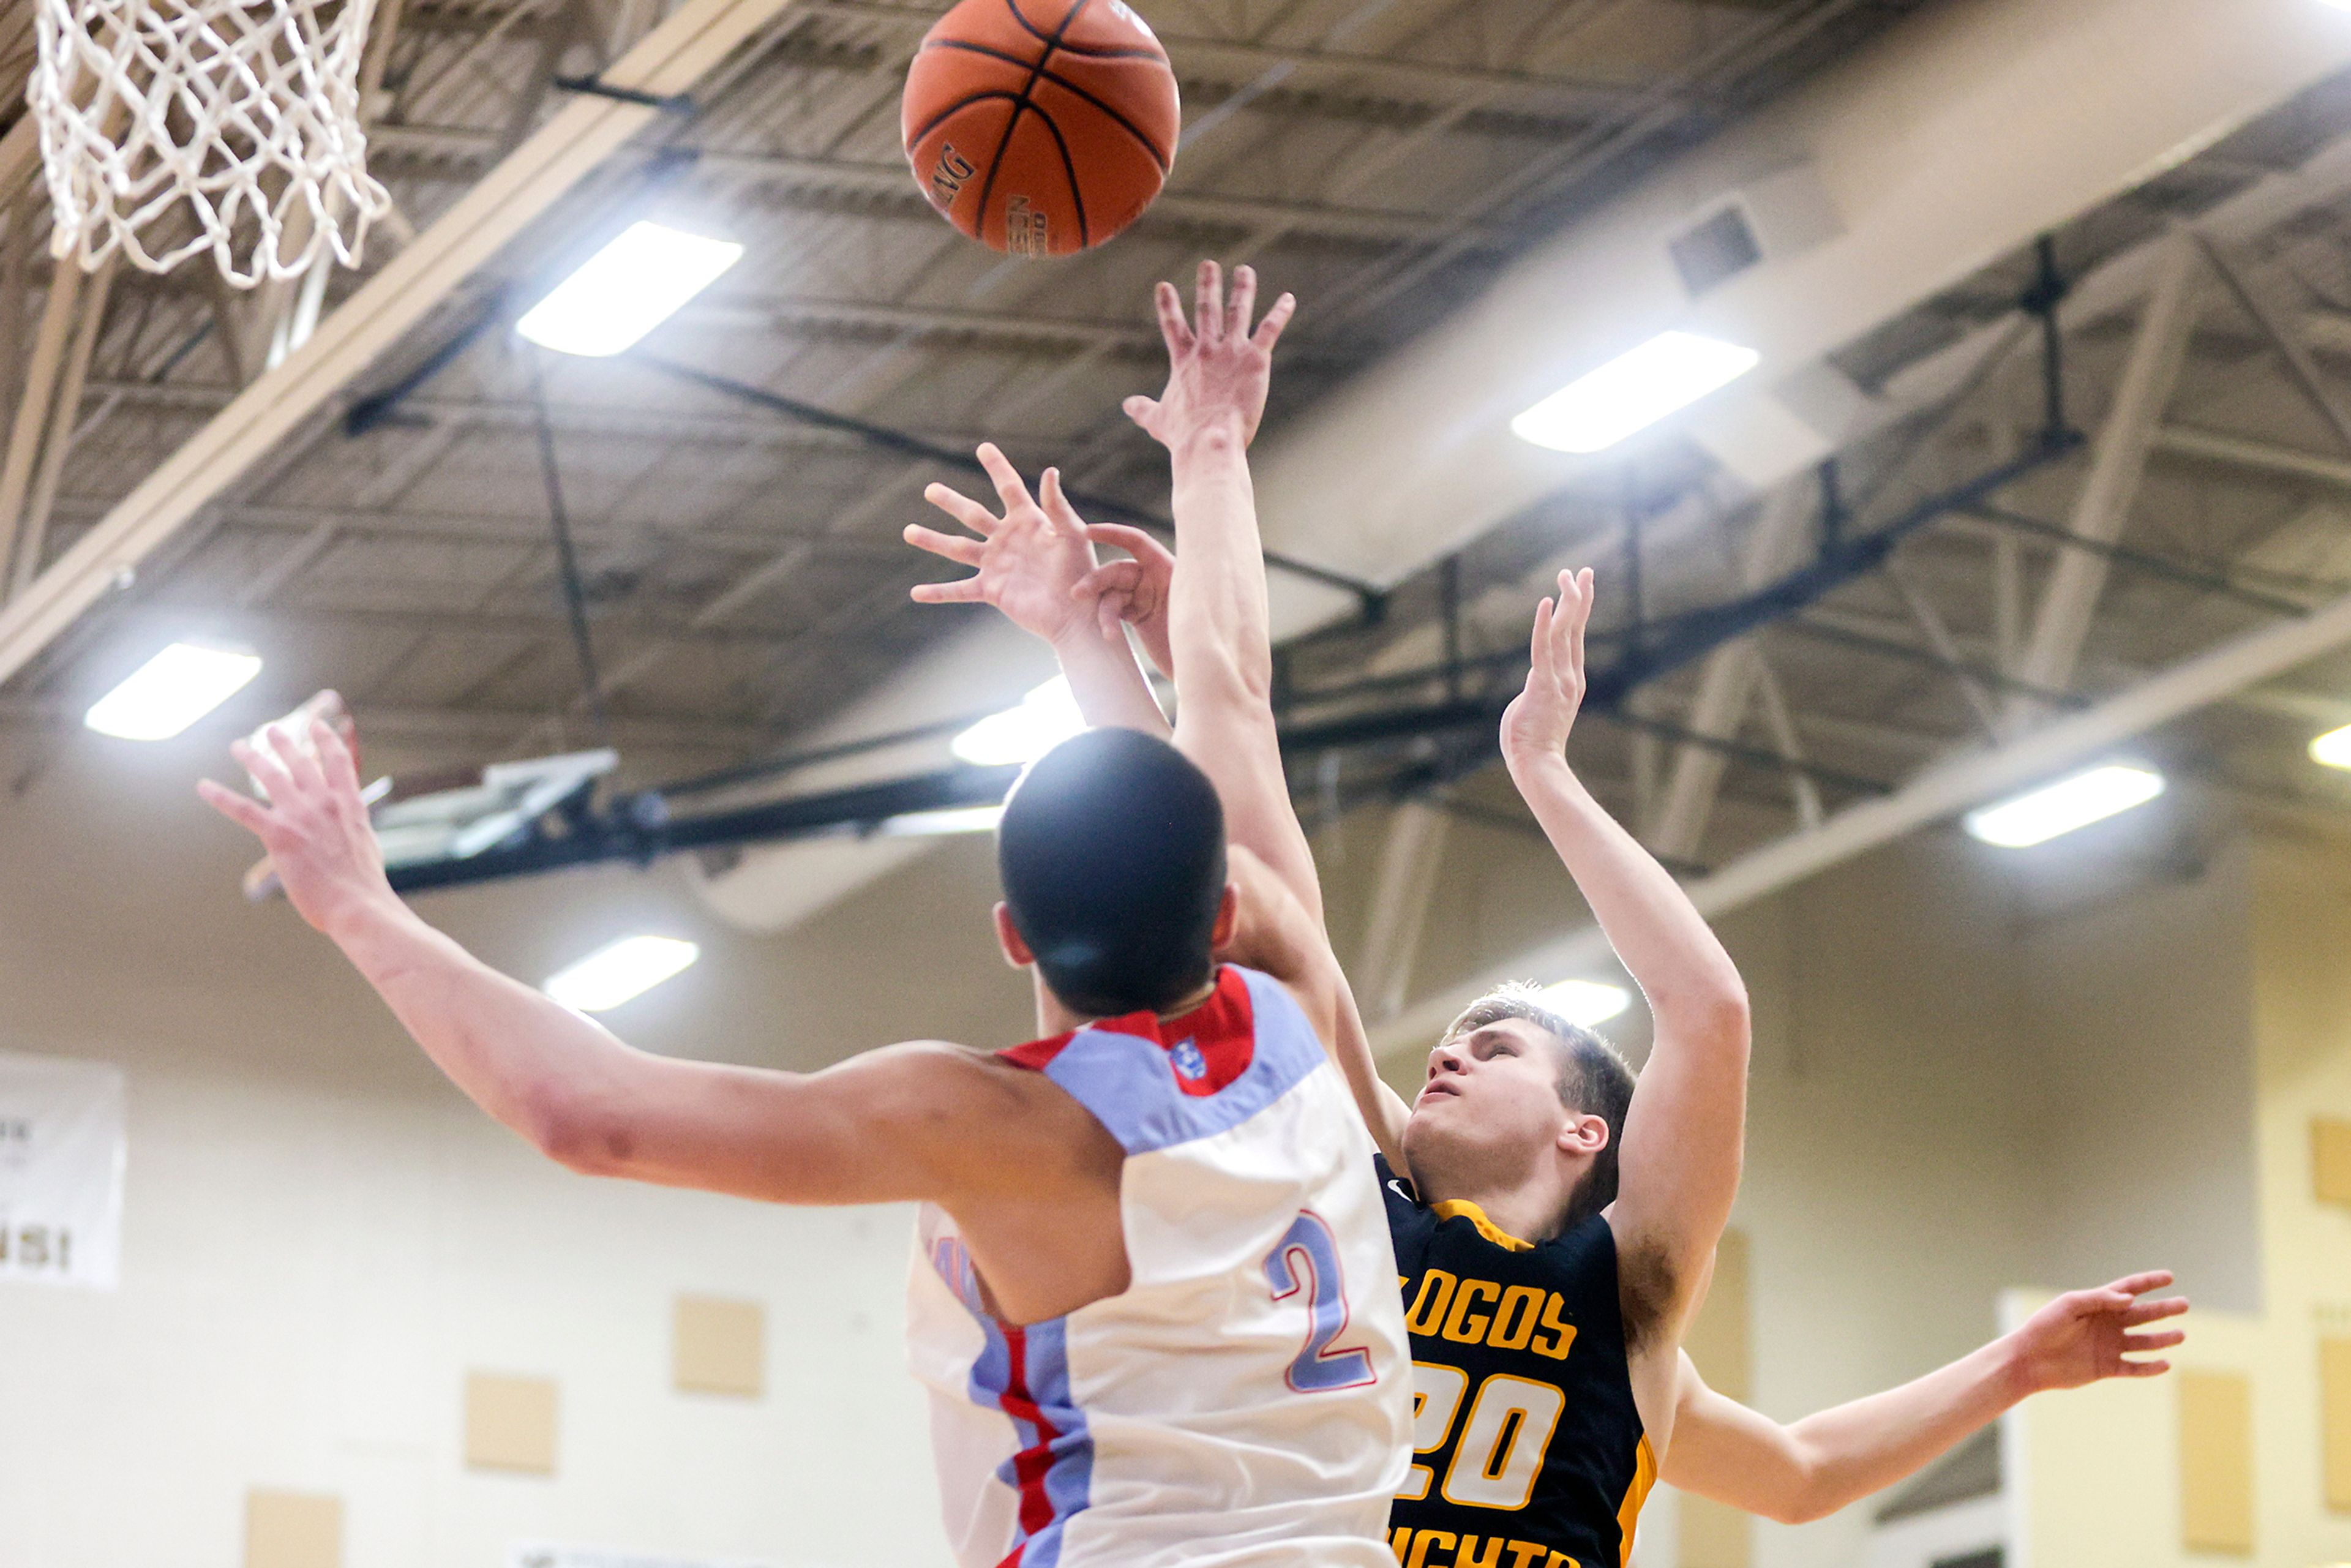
<point x="2102" y="1480"/>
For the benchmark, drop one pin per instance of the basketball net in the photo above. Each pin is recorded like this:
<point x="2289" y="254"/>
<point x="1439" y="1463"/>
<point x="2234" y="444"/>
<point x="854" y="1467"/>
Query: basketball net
<point x="170" y="127"/>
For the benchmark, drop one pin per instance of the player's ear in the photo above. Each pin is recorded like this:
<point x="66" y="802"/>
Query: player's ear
<point x="1009" y="937"/>
<point x="1229" y="918"/>
<point x="1583" y="1133"/>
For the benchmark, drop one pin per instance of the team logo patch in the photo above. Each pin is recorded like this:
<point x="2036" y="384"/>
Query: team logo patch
<point x="1191" y="1066"/>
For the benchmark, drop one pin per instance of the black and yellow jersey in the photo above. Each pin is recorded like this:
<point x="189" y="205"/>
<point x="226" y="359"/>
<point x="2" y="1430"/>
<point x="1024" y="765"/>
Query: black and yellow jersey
<point x="1529" y="1451"/>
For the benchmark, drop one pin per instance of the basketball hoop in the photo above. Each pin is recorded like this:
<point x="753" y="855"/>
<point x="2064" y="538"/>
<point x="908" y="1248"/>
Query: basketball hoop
<point x="170" y="127"/>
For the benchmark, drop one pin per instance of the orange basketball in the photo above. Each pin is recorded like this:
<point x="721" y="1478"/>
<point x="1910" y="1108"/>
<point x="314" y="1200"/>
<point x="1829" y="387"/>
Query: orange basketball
<point x="1041" y="126"/>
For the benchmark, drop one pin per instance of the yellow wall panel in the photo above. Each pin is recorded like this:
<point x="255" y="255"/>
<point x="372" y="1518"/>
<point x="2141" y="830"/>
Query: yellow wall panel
<point x="2330" y="1160"/>
<point x="2215" y="1462"/>
<point x="719" y="1347"/>
<point x="2335" y="1383"/>
<point x="1720" y="1339"/>
<point x="510" y="1423"/>
<point x="1715" y="1535"/>
<point x="292" y="1529"/>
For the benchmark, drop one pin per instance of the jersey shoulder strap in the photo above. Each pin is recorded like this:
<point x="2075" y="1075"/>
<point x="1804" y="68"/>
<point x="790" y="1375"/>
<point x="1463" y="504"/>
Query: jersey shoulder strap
<point x="1155" y="1082"/>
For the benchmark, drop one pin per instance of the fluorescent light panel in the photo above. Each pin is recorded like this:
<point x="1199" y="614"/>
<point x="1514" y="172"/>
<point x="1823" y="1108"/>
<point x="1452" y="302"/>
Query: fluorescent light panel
<point x="1587" y="1002"/>
<point x="627" y="289"/>
<point x="1046" y="718"/>
<point x="2058" y="809"/>
<point x="621" y="971"/>
<point x="954" y="819"/>
<point x="1633" y="391"/>
<point x="2332" y="749"/>
<point x="171" y="691"/>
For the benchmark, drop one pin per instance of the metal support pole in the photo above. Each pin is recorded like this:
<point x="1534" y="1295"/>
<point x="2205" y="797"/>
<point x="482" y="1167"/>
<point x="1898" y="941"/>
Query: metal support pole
<point x="2117" y="464"/>
<point x="63" y="411"/>
<point x="24" y="433"/>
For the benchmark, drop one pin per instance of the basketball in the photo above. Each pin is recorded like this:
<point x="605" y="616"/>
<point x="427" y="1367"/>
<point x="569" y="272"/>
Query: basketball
<point x="1041" y="126"/>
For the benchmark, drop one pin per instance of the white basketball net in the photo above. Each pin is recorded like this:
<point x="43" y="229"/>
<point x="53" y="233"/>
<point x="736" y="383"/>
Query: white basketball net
<point x="169" y="127"/>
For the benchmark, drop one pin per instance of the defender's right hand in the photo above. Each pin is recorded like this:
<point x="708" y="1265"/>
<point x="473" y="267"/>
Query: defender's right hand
<point x="314" y="825"/>
<point x="1025" y="562"/>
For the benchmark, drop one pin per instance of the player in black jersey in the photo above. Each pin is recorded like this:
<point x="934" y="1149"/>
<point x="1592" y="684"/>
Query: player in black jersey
<point x="1558" y="1226"/>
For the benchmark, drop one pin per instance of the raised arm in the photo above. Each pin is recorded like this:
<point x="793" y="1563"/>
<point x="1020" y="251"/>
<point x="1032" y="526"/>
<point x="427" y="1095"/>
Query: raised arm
<point x="1806" y="1471"/>
<point x="910" y="1122"/>
<point x="1678" y="1167"/>
<point x="1218" y="635"/>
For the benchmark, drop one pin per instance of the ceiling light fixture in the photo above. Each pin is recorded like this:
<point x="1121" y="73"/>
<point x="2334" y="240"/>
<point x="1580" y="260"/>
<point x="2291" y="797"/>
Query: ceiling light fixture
<point x="1046" y="718"/>
<point x="1633" y="391"/>
<point x="935" y="824"/>
<point x="2332" y="749"/>
<point x="1586" y="1002"/>
<point x="171" y="691"/>
<point x="2055" y="809"/>
<point x="626" y="289"/>
<point x="621" y="971"/>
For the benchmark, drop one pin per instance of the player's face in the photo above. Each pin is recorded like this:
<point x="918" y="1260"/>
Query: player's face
<point x="1496" y="1086"/>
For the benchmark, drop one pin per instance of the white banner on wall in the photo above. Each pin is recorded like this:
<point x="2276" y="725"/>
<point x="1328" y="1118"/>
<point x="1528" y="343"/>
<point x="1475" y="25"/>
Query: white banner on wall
<point x="545" y="1554"/>
<point x="61" y="1153"/>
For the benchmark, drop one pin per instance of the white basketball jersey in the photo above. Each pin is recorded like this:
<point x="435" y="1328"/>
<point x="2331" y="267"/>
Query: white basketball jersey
<point x="1247" y="1400"/>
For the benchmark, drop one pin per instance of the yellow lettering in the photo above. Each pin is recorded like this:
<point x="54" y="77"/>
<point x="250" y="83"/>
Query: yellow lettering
<point x="1428" y="1308"/>
<point x="1526" y="1302"/>
<point x="1428" y="1538"/>
<point x="1562" y="1560"/>
<point x="1470" y="1557"/>
<point x="1399" y="1538"/>
<point x="1524" y="1553"/>
<point x="1562" y="1335"/>
<point x="1468" y="1330"/>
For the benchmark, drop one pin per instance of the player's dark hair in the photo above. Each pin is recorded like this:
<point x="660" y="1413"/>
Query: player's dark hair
<point x="1592" y="1079"/>
<point x="1112" y="855"/>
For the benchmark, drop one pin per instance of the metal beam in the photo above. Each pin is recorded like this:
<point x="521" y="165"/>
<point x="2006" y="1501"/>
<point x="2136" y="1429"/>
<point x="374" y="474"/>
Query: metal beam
<point x="26" y="432"/>
<point x="1726" y="685"/>
<point x="573" y="141"/>
<point x="65" y="411"/>
<point x="1409" y="863"/>
<point x="1941" y="792"/>
<point x="2117" y="463"/>
<point x="635" y="423"/>
<point x="2252" y="451"/>
<point x="1407" y="77"/>
<point x="890" y="183"/>
<point x="2284" y="331"/>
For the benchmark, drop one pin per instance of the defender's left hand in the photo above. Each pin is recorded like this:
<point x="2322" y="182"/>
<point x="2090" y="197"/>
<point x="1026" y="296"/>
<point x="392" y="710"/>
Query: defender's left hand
<point x="1538" y="719"/>
<point x="2085" y="1336"/>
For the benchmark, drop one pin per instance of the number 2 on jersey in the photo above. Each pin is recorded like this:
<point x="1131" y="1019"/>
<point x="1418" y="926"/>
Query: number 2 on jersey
<point x="1306" y="1259"/>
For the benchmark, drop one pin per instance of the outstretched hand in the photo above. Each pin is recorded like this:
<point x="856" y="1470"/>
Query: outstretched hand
<point x="2085" y="1336"/>
<point x="1218" y="368"/>
<point x="314" y="825"/>
<point x="1538" y="719"/>
<point x="1026" y="562"/>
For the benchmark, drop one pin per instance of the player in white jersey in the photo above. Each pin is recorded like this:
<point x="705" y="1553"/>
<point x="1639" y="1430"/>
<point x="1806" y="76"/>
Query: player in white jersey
<point x="1184" y="1419"/>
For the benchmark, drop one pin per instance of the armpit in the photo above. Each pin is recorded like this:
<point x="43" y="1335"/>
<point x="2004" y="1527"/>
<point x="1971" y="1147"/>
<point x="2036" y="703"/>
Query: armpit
<point x="1647" y="1289"/>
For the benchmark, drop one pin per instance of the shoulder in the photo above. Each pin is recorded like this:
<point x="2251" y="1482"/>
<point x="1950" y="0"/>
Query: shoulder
<point x="1000" y="1124"/>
